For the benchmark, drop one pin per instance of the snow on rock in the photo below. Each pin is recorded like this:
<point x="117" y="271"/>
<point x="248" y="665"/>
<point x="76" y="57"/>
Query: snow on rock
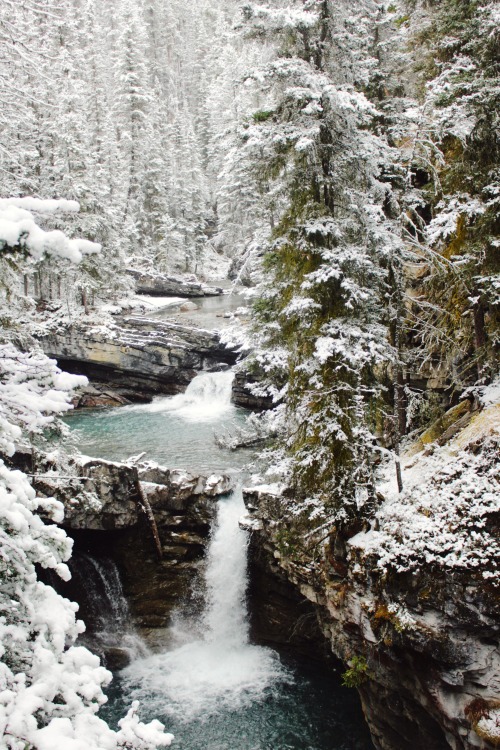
<point x="488" y="726"/>
<point x="141" y="303"/>
<point x="489" y="394"/>
<point x="156" y="303"/>
<point x="163" y="285"/>
<point x="445" y="516"/>
<point x="141" y="354"/>
<point x="110" y="497"/>
<point x="415" y="597"/>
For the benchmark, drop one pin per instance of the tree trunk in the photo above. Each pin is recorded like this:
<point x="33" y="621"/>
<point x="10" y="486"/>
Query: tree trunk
<point x="479" y="335"/>
<point x="399" y="406"/>
<point x="85" y="301"/>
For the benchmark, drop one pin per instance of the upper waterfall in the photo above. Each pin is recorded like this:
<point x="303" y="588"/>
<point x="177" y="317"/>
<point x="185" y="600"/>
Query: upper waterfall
<point x="206" y="397"/>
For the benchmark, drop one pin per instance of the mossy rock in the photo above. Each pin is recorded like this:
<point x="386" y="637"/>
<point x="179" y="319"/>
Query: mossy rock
<point x="483" y="715"/>
<point x="456" y="416"/>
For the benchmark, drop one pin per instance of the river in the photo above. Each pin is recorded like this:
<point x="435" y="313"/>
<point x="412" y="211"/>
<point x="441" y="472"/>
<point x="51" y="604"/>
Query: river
<point x="212" y="686"/>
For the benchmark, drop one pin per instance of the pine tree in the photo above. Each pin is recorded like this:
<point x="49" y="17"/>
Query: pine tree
<point x="323" y="320"/>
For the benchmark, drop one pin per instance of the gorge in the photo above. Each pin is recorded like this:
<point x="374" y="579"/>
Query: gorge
<point x="312" y="605"/>
<point x="203" y="676"/>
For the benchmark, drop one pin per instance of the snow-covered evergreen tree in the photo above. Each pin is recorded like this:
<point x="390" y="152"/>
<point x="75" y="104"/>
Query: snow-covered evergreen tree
<point x="323" y="327"/>
<point x="50" y="688"/>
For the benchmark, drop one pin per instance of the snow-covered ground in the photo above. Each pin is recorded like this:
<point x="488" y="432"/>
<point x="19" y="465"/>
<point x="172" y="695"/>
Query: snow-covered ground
<point x="451" y="492"/>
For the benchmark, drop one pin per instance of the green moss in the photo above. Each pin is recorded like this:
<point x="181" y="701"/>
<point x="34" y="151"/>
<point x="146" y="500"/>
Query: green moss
<point x="401" y="21"/>
<point x="262" y="115"/>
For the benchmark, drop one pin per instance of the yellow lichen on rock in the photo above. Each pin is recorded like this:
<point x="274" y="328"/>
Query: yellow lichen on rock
<point x="482" y="424"/>
<point x="439" y="427"/>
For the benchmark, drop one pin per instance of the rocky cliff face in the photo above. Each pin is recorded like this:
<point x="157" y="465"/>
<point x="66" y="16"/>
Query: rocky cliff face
<point x="244" y="396"/>
<point x="423" y="650"/>
<point x="153" y="522"/>
<point x="140" y="356"/>
<point x="421" y="636"/>
<point x="163" y="285"/>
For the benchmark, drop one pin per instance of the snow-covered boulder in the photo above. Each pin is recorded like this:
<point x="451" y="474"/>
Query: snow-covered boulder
<point x="162" y="285"/>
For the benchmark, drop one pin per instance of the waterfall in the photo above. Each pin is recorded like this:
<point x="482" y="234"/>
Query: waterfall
<point x="104" y="593"/>
<point x="213" y="667"/>
<point x="103" y="606"/>
<point x="206" y="398"/>
<point x="225" y="618"/>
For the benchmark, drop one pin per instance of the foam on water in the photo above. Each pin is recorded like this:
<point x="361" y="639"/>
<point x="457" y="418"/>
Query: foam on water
<point x="207" y="398"/>
<point x="217" y="670"/>
<point x="176" y="431"/>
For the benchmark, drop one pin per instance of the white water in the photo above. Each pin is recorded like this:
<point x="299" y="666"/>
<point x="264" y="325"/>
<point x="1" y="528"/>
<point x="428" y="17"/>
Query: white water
<point x="102" y="590"/>
<point x="225" y="617"/>
<point x="215" y="669"/>
<point x="103" y="579"/>
<point x="212" y="688"/>
<point x="206" y="398"/>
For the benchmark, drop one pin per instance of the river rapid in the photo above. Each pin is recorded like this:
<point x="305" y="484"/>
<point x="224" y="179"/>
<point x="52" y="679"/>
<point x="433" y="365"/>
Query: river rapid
<point x="212" y="686"/>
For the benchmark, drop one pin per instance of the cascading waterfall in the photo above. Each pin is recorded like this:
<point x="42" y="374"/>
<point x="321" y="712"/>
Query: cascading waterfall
<point x="219" y="669"/>
<point x="207" y="397"/>
<point x="210" y="665"/>
<point x="225" y="618"/>
<point x="105" y="608"/>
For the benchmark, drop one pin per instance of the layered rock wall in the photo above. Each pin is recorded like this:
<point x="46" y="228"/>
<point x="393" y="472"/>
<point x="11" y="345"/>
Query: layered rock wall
<point x="423" y="649"/>
<point x="158" y="549"/>
<point x="140" y="356"/>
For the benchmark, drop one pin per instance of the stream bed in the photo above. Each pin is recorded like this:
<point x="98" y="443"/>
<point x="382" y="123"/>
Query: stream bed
<point x="211" y="686"/>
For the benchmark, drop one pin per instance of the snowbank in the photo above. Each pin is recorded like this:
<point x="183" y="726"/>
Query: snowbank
<point x="445" y="517"/>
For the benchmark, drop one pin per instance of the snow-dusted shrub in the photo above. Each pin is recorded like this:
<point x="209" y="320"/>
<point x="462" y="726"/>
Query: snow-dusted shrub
<point x="445" y="517"/>
<point x="32" y="391"/>
<point x="50" y="689"/>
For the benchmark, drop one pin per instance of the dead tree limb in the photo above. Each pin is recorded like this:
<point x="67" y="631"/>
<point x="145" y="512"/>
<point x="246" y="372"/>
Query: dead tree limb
<point x="148" y="512"/>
